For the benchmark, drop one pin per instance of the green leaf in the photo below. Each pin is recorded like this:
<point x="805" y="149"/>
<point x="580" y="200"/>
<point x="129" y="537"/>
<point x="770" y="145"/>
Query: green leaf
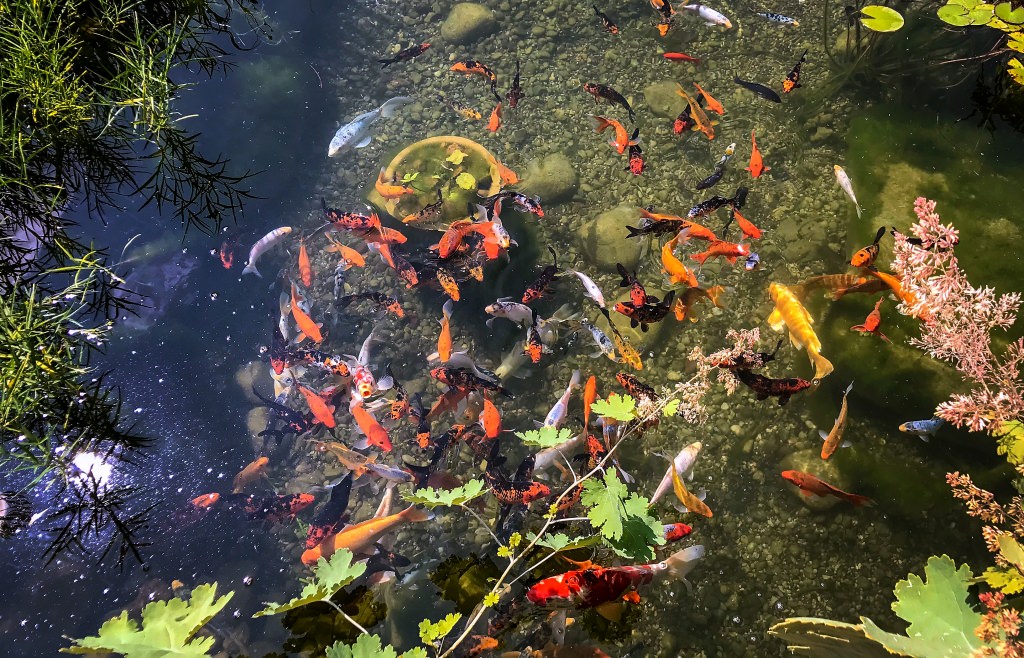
<point x="560" y="542"/>
<point x="1016" y="70"/>
<point x="942" y="622"/>
<point x="962" y="14"/>
<point x="408" y="178"/>
<point x="1006" y="13"/>
<point x="1011" y="551"/>
<point x="329" y="576"/>
<point x="432" y="632"/>
<point x="416" y="652"/>
<point x="366" y="646"/>
<point x="618" y="407"/>
<point x="431" y="498"/>
<point x="605" y="503"/>
<point x="457" y="157"/>
<point x="545" y="437"/>
<point x="881" y="18"/>
<point x="671" y="408"/>
<point x="167" y="628"/>
<point x="466" y="181"/>
<point x="1010" y="434"/>
<point x="1007" y="581"/>
<point x="818" y="638"/>
<point x="640" y="531"/>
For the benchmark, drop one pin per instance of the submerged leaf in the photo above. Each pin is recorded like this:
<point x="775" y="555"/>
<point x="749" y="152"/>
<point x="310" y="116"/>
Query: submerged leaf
<point x="619" y="407"/>
<point x="429" y="497"/>
<point x="410" y="177"/>
<point x="329" y="576"/>
<point x="560" y="542"/>
<point x="545" y="437"/>
<point x="814" y="637"/>
<point x="167" y="628"/>
<point x="942" y="622"/>
<point x="457" y="157"/>
<point x="466" y="181"/>
<point x="880" y="18"/>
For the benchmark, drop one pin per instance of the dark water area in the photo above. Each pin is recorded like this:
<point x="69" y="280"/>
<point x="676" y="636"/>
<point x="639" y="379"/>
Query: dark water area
<point x="186" y="376"/>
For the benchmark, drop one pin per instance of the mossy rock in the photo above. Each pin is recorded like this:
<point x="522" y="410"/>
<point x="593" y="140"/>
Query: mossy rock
<point x="429" y="160"/>
<point x="467" y="22"/>
<point x="663" y="99"/>
<point x="552" y="178"/>
<point x="603" y="239"/>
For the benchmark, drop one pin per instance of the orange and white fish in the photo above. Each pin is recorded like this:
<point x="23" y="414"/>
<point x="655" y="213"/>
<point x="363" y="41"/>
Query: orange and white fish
<point x="791" y="314"/>
<point x="361" y="537"/>
<point x="389" y="189"/>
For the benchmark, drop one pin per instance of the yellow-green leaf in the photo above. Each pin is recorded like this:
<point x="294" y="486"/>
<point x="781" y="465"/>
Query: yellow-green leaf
<point x="432" y="632"/>
<point x="881" y="18"/>
<point x="546" y="437"/>
<point x="671" y="408"/>
<point x="1011" y="551"/>
<point x="329" y="576"/>
<point x="1007" y="581"/>
<point x="430" y="497"/>
<point x="465" y="181"/>
<point x="1016" y="70"/>
<point x="619" y="407"/>
<point x="1005" y="11"/>
<point x="457" y="157"/>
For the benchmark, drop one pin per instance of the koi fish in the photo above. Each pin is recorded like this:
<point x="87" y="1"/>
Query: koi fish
<point x="349" y="256"/>
<point x="451" y="240"/>
<point x="515" y="93"/>
<point x="673" y="268"/>
<point x="711" y="180"/>
<point x="847" y="185"/>
<point x="356" y="133"/>
<point x="779" y="18"/>
<point x="680" y="57"/>
<point x="756" y="166"/>
<point x="405" y="55"/>
<point x="700" y="118"/>
<point x="494" y="123"/>
<point x="606" y="22"/>
<point x="923" y="429"/>
<point x="730" y="251"/>
<point x="637" y="293"/>
<point x="206" y="501"/>
<point x="331" y="517"/>
<point x="709" y="15"/>
<point x="684" y="304"/>
<point x="635" y="387"/>
<point x="444" y="340"/>
<point x="684" y="122"/>
<point x="388" y="189"/>
<point x="542" y="285"/>
<point x="375" y="434"/>
<point x="599" y="91"/>
<point x="380" y="301"/>
<point x="637" y="162"/>
<point x="646" y="314"/>
<point x="275" y="509"/>
<point x="227" y="253"/>
<point x="305" y="323"/>
<point x="505" y="307"/>
<point x="490" y="419"/>
<point x="254" y="471"/>
<point x="675" y="531"/>
<point x="865" y="257"/>
<point x="752" y="263"/>
<point x="586" y="588"/>
<point x="262" y="245"/>
<point x="872" y="322"/>
<point x="622" y="139"/>
<point x="764" y="387"/>
<point x="361" y="537"/>
<point x="790" y="313"/>
<point x="518" y="491"/>
<point x="475" y="67"/>
<point x="589" y="397"/>
<point x="810" y="485"/>
<point x="750" y="231"/>
<point x="748" y="360"/>
<point x="712" y="104"/>
<point x="349" y="221"/>
<point x="839" y="285"/>
<point x="835" y="435"/>
<point x="305" y="267"/>
<point x="682" y="464"/>
<point x="703" y="209"/>
<point x="604" y="344"/>
<point x="592" y="290"/>
<point x="465" y="380"/>
<point x="894" y="284"/>
<point x="321" y="411"/>
<point x="691" y="502"/>
<point x="556" y="416"/>
<point x="627" y="353"/>
<point x="792" y="80"/>
<point x="463" y="111"/>
<point x="766" y="93"/>
<point x="522" y="202"/>
<point x="664" y="8"/>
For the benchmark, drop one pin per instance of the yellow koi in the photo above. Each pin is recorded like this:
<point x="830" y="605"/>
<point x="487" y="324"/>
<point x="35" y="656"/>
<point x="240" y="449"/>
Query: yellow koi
<point x="691" y="502"/>
<point x="790" y="313"/>
<point x="361" y="537"/>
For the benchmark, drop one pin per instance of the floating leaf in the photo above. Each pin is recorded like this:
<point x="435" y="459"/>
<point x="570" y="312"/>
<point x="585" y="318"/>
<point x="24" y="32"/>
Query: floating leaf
<point x="457" y="157"/>
<point x="1007" y="581"/>
<point x="432" y="632"/>
<point x="545" y="437"/>
<point x="621" y="517"/>
<point x="1005" y="12"/>
<point x="965" y="13"/>
<point x="1016" y="70"/>
<point x="1011" y="551"/>
<point x="619" y="407"/>
<point x="410" y="177"/>
<point x="329" y="576"/>
<point x="465" y="181"/>
<point x="640" y="530"/>
<point x="671" y="408"/>
<point x="810" y="636"/>
<point x="881" y="18"/>
<point x="429" y="497"/>
<point x="166" y="630"/>
<point x="942" y="622"/>
<point x="370" y="646"/>
<point x="560" y="542"/>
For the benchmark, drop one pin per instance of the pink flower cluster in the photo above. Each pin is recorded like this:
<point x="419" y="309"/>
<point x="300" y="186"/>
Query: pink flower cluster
<point x="957" y="323"/>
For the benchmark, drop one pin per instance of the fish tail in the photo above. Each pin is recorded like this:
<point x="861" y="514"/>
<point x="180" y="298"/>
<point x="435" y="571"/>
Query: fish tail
<point x="859" y="210"/>
<point x="634" y="232"/>
<point x="386" y="62"/>
<point x="600" y="123"/>
<point x="391" y="106"/>
<point x="859" y="501"/>
<point x="250" y="268"/>
<point x="414" y="514"/>
<point x="822" y="366"/>
<point x="681" y="563"/>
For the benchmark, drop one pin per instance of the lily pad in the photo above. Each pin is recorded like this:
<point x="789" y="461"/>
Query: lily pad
<point x="1006" y="13"/>
<point x="881" y="19"/>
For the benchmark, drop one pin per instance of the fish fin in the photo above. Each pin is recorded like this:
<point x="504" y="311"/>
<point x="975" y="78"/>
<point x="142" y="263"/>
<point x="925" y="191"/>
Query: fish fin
<point x="805" y="492"/>
<point x="925" y="437"/>
<point x="681" y="563"/>
<point x="783" y="400"/>
<point x="385" y="383"/>
<point x="845" y="444"/>
<point x="361" y="444"/>
<point x="823" y="435"/>
<point x="859" y="211"/>
<point x="415" y="514"/>
<point x="433" y="356"/>
<point x="364" y="142"/>
<point x="251" y="269"/>
<point x="775" y="320"/>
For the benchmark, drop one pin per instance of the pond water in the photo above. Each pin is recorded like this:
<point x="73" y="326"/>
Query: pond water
<point x="898" y="125"/>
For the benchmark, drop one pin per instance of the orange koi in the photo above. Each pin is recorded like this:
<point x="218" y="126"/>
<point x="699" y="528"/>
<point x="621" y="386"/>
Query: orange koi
<point x="444" y="341"/>
<point x="205" y="501"/>
<point x="730" y="251"/>
<point x="700" y="118"/>
<point x="495" y="121"/>
<point x="622" y="139"/>
<point x="691" y="502"/>
<point x="508" y="177"/>
<point x="448" y="284"/>
<point x="749" y="230"/>
<point x="872" y="323"/>
<point x="361" y="537"/>
<point x="673" y="267"/>
<point x="684" y="304"/>
<point x="349" y="256"/>
<point x="756" y="167"/>
<point x="589" y="397"/>
<point x="305" y="268"/>
<point x="490" y="419"/>
<point x="388" y="189"/>
<point x="712" y="104"/>
<point x="255" y="470"/>
<point x="452" y="238"/>
<point x="375" y="433"/>
<point x="383" y="235"/>
<point x="321" y="410"/>
<point x="809" y="485"/>
<point x="305" y="323"/>
<point x="907" y="298"/>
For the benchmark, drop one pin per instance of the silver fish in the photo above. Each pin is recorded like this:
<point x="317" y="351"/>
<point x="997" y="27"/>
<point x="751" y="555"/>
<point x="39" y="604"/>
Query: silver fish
<point x="553" y="455"/>
<point x="847" y="185"/>
<point x="506" y="308"/>
<point x="604" y="344"/>
<point x="709" y="15"/>
<point x="683" y="464"/>
<point x="356" y="133"/>
<point x="557" y="413"/>
<point x="779" y="18"/>
<point x="264" y="243"/>
<point x="591" y="288"/>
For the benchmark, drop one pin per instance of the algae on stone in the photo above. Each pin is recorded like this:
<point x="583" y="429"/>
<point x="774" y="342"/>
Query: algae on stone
<point x="603" y="239"/>
<point x="552" y="178"/>
<point x="467" y="22"/>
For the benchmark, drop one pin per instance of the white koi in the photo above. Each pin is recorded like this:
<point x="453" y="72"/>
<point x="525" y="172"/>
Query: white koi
<point x="591" y="288"/>
<point x="683" y="464"/>
<point x="263" y="244"/>
<point x="847" y="185"/>
<point x="556" y="416"/>
<point x="709" y="15"/>
<point x="356" y="133"/>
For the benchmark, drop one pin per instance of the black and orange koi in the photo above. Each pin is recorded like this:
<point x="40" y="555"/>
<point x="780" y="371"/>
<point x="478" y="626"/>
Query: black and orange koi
<point x="764" y="387"/>
<point x="379" y="299"/>
<point x="350" y="221"/>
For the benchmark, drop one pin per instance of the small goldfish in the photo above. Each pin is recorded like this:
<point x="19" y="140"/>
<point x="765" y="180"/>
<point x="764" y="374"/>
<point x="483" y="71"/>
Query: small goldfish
<point x="305" y="267"/>
<point x="872" y="322"/>
<point x="712" y="104"/>
<point x="490" y="419"/>
<point x="589" y="397"/>
<point x="304" y="322"/>
<point x="865" y="257"/>
<point x="494" y="123"/>
<point x="683" y="307"/>
<point x="730" y="251"/>
<point x="389" y="189"/>
<point x="680" y="57"/>
<point x="444" y="340"/>
<point x="376" y="435"/>
<point x="622" y="139"/>
<point x="810" y="485"/>
<point x="254" y="471"/>
<point x="673" y="267"/>
<point x="835" y="435"/>
<point x="756" y="166"/>
<point x="746" y="226"/>
<point x="321" y="410"/>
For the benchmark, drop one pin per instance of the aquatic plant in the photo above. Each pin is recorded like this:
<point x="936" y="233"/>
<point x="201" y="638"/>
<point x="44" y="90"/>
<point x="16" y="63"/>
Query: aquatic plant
<point x="941" y="621"/>
<point x="880" y="18"/>
<point x="167" y="628"/>
<point x="1007" y="17"/>
<point x="329" y="576"/>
